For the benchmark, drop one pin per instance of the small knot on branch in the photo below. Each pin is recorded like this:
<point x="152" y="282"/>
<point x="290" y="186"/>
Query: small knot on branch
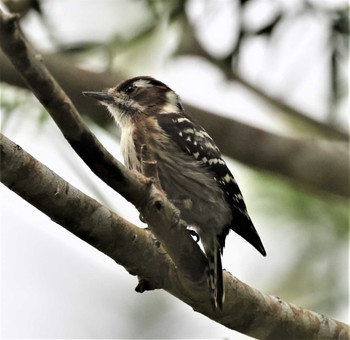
<point x="149" y="166"/>
<point x="145" y="285"/>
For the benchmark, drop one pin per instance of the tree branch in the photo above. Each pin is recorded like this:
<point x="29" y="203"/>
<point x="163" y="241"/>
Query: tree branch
<point x="50" y="94"/>
<point x="159" y="213"/>
<point x="246" y="309"/>
<point x="82" y="215"/>
<point x="295" y="160"/>
<point x="193" y="47"/>
<point x="134" y="187"/>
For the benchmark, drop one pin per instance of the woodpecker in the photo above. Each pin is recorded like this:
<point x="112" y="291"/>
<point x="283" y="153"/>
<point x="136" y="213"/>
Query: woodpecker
<point x="190" y="166"/>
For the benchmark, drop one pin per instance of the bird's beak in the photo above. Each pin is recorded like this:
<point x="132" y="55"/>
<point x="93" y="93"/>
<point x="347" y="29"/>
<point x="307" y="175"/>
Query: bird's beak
<point x="101" y="96"/>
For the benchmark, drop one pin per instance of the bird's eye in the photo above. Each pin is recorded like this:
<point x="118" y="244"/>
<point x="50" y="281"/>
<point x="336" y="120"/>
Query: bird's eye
<point x="129" y="89"/>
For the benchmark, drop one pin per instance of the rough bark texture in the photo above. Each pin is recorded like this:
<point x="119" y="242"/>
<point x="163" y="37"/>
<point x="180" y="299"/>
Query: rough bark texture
<point x="295" y="160"/>
<point x="181" y="270"/>
<point x="246" y="309"/>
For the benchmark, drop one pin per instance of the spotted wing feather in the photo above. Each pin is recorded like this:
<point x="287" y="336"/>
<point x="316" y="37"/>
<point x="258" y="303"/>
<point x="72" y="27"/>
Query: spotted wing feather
<point x="192" y="139"/>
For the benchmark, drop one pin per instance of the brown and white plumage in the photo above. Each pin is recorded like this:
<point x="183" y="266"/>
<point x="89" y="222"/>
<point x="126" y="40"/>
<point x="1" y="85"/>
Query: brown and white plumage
<point x="190" y="167"/>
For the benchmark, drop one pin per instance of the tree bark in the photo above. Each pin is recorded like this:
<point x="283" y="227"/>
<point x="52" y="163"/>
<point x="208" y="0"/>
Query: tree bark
<point x="246" y="309"/>
<point x="307" y="163"/>
<point x="181" y="269"/>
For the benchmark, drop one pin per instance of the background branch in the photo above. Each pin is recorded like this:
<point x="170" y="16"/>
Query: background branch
<point x="192" y="46"/>
<point x="308" y="229"/>
<point x="283" y="108"/>
<point x="292" y="159"/>
<point x="269" y="317"/>
<point x="63" y="112"/>
<point x="152" y="203"/>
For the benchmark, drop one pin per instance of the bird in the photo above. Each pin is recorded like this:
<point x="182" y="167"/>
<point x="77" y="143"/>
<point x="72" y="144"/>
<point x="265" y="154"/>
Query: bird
<point x="191" y="169"/>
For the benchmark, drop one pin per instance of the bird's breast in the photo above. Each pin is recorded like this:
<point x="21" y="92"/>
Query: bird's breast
<point x="187" y="183"/>
<point x="128" y="149"/>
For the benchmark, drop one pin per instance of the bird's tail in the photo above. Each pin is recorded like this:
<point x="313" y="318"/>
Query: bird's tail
<point x="215" y="278"/>
<point x="244" y="226"/>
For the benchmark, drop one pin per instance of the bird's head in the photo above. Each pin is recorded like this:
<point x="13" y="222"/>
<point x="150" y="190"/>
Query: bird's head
<point x="138" y="96"/>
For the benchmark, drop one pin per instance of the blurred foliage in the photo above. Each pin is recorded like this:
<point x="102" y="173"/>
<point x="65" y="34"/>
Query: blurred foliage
<point x="316" y="232"/>
<point x="280" y="15"/>
<point x="21" y="101"/>
<point x="319" y="227"/>
<point x="311" y="211"/>
<point x="21" y="110"/>
<point x="170" y="23"/>
<point x="23" y="6"/>
<point x="336" y="22"/>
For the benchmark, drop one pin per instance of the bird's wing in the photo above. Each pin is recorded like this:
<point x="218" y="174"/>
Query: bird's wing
<point x="193" y="140"/>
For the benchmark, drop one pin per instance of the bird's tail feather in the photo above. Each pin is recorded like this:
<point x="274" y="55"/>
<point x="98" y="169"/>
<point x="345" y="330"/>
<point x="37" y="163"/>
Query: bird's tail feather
<point x="215" y="278"/>
<point x="244" y="227"/>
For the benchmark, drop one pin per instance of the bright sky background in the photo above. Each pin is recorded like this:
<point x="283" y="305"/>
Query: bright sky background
<point x="53" y="284"/>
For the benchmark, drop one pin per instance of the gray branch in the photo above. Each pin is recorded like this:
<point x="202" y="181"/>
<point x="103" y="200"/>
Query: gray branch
<point x="182" y="273"/>
<point x="246" y="309"/>
<point x="137" y="189"/>
<point x="192" y="46"/>
<point x="304" y="162"/>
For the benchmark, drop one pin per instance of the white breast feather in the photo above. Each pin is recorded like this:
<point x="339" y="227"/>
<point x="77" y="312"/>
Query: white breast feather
<point x="127" y="147"/>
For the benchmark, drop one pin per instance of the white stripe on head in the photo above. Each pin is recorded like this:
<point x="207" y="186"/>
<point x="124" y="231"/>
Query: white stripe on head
<point x="142" y="83"/>
<point x="171" y="105"/>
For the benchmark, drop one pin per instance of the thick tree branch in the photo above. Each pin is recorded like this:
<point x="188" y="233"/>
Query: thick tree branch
<point x="246" y="309"/>
<point x="73" y="80"/>
<point x="294" y="160"/>
<point x="50" y="94"/>
<point x="82" y="215"/>
<point x="128" y="245"/>
<point x="140" y="191"/>
<point x="159" y="213"/>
